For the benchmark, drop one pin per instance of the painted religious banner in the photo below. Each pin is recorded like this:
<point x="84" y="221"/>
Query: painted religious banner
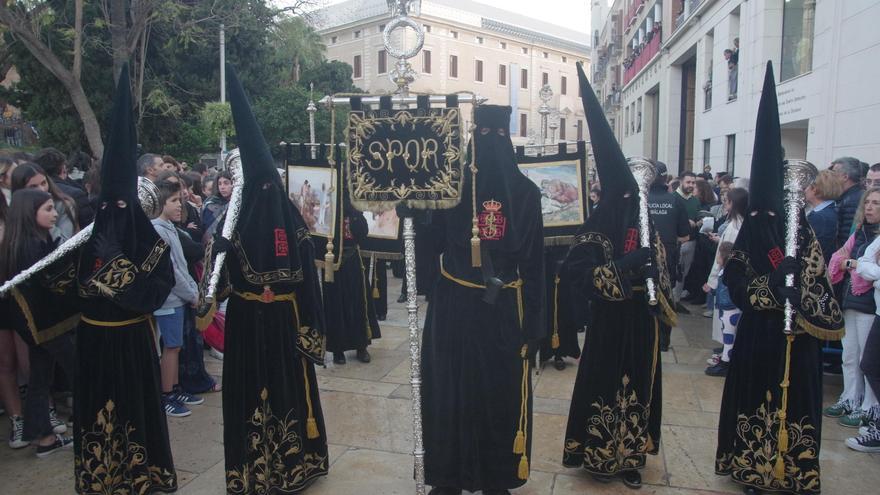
<point x="562" y="180"/>
<point x="412" y="155"/>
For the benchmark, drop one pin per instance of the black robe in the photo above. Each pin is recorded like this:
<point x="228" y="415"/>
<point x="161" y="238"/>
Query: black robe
<point x="476" y="387"/>
<point x="348" y="303"/>
<point x="751" y="408"/>
<point x="614" y="420"/>
<point x="379" y="287"/>
<point x="121" y="442"/>
<point x="565" y="314"/>
<point x="273" y="426"/>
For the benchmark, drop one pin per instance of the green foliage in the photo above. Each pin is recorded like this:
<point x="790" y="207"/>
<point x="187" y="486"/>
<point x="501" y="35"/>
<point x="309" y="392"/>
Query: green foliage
<point x="177" y="110"/>
<point x="216" y="120"/>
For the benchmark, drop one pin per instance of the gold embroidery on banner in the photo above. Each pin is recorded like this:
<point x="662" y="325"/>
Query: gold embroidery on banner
<point x="110" y="462"/>
<point x="753" y="464"/>
<point x="623" y="427"/>
<point x="820" y="312"/>
<point x="154" y="256"/>
<point x="760" y="295"/>
<point x="271" y="442"/>
<point x="444" y="185"/>
<point x="597" y="238"/>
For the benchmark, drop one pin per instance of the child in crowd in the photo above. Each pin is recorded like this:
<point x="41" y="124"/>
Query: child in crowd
<point x="27" y="239"/>
<point x="728" y="313"/>
<point x="170" y="317"/>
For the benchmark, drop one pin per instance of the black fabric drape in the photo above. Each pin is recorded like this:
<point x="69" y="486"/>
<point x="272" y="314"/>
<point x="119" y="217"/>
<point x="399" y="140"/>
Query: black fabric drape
<point x="348" y="303"/>
<point x="566" y="315"/>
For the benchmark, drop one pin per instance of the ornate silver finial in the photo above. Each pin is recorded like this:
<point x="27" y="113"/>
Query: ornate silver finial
<point x="644" y="172"/>
<point x="403" y="74"/>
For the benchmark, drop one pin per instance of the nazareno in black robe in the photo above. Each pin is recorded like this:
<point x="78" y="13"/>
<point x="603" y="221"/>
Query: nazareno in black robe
<point x="476" y="389"/>
<point x="348" y="303"/>
<point x="566" y="315"/>
<point x="614" y="419"/>
<point x="751" y="407"/>
<point x="123" y="274"/>
<point x="273" y="427"/>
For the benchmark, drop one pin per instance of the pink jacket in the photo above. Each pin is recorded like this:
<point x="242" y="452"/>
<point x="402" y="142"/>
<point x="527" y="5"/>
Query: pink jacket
<point x="859" y="285"/>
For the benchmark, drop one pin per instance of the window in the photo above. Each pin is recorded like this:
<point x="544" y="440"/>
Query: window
<point x="545" y="79"/>
<point x="523" y="125"/>
<point x="333" y="40"/>
<point x="454" y="34"/>
<point x="524" y="78"/>
<point x="626" y="121"/>
<point x="563" y="85"/>
<point x="731" y="153"/>
<point x="502" y="75"/>
<point x="580" y="130"/>
<point x="426" y="61"/>
<point x="479" y="40"/>
<point x="381" y="27"/>
<point x="564" y="60"/>
<point x="546" y="55"/>
<point x="478" y="70"/>
<point x="357" y="34"/>
<point x="525" y="51"/>
<point x="707" y="150"/>
<point x="453" y="66"/>
<point x="383" y="62"/>
<point x="357" y="67"/>
<point x="503" y="45"/>
<point x="797" y="38"/>
<point x="561" y="129"/>
<point x="427" y="28"/>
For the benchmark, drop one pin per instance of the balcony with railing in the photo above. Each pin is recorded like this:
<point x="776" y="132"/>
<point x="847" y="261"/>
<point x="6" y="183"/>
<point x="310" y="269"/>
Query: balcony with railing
<point x="641" y="56"/>
<point x="633" y="12"/>
<point x="688" y="7"/>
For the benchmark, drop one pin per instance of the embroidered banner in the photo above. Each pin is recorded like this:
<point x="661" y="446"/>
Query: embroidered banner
<point x="413" y="156"/>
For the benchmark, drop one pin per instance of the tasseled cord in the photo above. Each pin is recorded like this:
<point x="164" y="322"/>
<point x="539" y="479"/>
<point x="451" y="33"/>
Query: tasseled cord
<point x="476" y="259"/>
<point x="779" y="466"/>
<point x="519" y="441"/>
<point x="376" y="294"/>
<point x="311" y="425"/>
<point x="329" y="260"/>
<point x="554" y="340"/>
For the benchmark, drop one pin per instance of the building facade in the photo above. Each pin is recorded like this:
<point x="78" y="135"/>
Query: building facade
<point x="691" y="99"/>
<point x="469" y="46"/>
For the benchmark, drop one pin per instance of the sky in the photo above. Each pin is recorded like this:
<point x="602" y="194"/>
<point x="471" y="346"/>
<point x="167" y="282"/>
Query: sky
<point x="572" y="14"/>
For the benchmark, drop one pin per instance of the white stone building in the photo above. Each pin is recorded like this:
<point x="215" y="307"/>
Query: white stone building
<point x="469" y="46"/>
<point x="679" y="104"/>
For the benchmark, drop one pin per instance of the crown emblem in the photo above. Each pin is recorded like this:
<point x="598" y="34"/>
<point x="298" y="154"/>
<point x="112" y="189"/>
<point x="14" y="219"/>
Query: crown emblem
<point x="492" y="205"/>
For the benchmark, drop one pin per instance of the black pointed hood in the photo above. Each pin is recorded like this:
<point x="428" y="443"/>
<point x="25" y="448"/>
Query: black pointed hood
<point x="260" y="166"/>
<point x="614" y="174"/>
<point x="118" y="165"/>
<point x="767" y="175"/>
<point x="618" y="207"/>
<point x="270" y="232"/>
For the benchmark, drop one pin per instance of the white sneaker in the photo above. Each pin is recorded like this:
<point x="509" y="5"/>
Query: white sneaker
<point x="712" y="361"/>
<point x="58" y="426"/>
<point x="16" y="433"/>
<point x="214" y="353"/>
<point x="708" y="313"/>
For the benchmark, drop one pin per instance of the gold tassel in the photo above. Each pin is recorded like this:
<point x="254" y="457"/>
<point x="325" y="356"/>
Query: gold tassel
<point x="476" y="259"/>
<point x="779" y="468"/>
<point x="312" y="429"/>
<point x="782" y="444"/>
<point x="523" y="471"/>
<point x="519" y="443"/>
<point x="328" y="267"/>
<point x="554" y="341"/>
<point x="376" y="294"/>
<point x="311" y="425"/>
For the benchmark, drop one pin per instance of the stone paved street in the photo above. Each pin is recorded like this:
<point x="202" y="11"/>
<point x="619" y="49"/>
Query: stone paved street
<point x="367" y="410"/>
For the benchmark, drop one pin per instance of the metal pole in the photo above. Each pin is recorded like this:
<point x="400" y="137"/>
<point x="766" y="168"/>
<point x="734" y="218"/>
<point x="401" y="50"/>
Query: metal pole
<point x="223" y="86"/>
<point x="311" y="108"/>
<point x="415" y="341"/>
